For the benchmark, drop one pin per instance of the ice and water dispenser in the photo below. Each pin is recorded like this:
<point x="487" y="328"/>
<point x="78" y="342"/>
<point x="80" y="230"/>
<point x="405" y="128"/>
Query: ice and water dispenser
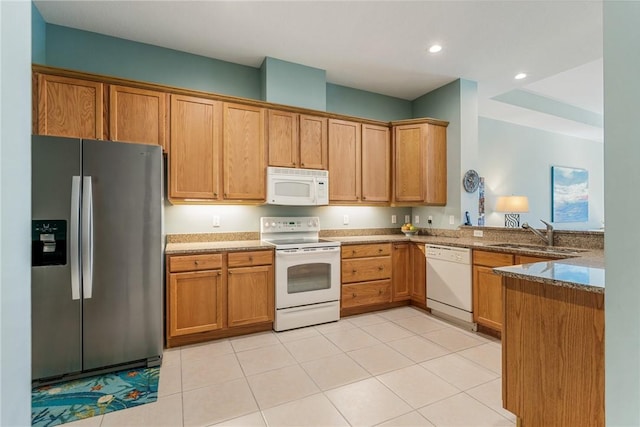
<point x="48" y="242"/>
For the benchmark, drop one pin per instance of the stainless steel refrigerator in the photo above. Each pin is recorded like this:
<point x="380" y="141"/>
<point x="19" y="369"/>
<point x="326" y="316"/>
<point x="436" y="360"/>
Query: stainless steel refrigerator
<point x="96" y="275"/>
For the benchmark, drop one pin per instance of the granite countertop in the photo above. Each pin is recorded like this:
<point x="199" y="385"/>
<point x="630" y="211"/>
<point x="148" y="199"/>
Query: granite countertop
<point x="583" y="269"/>
<point x="584" y="273"/>
<point x="221" y="246"/>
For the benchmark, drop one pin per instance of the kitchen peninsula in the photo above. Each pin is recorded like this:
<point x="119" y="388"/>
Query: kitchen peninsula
<point x="553" y="342"/>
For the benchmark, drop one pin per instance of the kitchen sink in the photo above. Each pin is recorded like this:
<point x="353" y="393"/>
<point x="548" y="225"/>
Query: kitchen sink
<point x="538" y="248"/>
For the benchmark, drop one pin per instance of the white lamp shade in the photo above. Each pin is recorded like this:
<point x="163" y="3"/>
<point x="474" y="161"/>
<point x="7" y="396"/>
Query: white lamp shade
<point x="512" y="204"/>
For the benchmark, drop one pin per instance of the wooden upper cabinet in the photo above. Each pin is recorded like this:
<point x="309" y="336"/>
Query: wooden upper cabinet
<point x="138" y="115"/>
<point x="376" y="164"/>
<point x="313" y="142"/>
<point x="436" y="173"/>
<point x="244" y="152"/>
<point x="283" y="139"/>
<point x="194" y="156"/>
<point x="344" y="160"/>
<point x="409" y="157"/>
<point x="297" y="140"/>
<point x="69" y="107"/>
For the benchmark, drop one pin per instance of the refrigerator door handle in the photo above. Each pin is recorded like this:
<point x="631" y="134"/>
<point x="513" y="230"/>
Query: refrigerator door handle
<point x="74" y="231"/>
<point x="87" y="237"/>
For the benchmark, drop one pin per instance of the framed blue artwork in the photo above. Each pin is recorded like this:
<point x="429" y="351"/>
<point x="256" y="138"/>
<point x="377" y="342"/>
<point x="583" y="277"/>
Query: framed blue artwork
<point x="569" y="194"/>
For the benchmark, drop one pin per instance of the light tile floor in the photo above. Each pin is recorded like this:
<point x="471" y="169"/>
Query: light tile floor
<point x="399" y="367"/>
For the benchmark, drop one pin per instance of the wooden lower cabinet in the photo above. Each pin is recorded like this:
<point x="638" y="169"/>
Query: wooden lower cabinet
<point x="196" y="302"/>
<point x="419" y="278"/>
<point x="487" y="288"/>
<point x="251" y="295"/>
<point x="401" y="274"/>
<point x="218" y="295"/>
<point x="366" y="277"/>
<point x="366" y="293"/>
<point x="553" y="350"/>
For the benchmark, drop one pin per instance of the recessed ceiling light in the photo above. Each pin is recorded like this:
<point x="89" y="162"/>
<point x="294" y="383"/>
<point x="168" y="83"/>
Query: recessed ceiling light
<point x="520" y="76"/>
<point x="435" y="48"/>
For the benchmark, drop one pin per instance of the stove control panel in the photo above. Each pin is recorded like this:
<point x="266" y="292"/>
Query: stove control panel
<point x="289" y="224"/>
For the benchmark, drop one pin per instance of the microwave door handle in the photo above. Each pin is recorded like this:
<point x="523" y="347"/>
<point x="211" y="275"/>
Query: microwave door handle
<point x="314" y="186"/>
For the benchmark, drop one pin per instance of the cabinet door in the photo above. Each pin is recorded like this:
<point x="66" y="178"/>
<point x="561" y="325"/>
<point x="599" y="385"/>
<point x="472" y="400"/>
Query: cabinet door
<point x="487" y="295"/>
<point x="436" y="173"/>
<point x="344" y="161"/>
<point x="313" y="142"/>
<point x="69" y="107"/>
<point x="251" y="295"/>
<point x="194" y="154"/>
<point x="244" y="152"/>
<point x="137" y="115"/>
<point x="283" y="139"/>
<point x="376" y="163"/>
<point x="527" y="259"/>
<point x="196" y="302"/>
<point x="409" y="163"/>
<point x="401" y="272"/>
<point x="419" y="267"/>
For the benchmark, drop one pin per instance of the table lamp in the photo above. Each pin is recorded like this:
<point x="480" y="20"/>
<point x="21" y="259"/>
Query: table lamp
<point x="512" y="206"/>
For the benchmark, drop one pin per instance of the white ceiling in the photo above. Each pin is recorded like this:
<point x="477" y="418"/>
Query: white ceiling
<point x="380" y="46"/>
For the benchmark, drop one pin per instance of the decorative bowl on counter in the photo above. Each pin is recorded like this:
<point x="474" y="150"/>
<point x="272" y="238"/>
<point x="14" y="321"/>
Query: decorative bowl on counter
<point x="410" y="233"/>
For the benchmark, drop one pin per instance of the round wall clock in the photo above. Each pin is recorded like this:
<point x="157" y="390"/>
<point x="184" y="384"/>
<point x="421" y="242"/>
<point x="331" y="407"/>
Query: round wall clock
<point x="471" y="181"/>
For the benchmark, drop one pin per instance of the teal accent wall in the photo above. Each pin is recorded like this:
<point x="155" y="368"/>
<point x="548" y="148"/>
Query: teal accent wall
<point x="293" y="84"/>
<point x="622" y="178"/>
<point x="370" y="105"/>
<point x="96" y="53"/>
<point x="38" y="36"/>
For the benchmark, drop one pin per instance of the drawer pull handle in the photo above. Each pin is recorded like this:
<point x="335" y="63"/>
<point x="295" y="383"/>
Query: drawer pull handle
<point x="353" y="271"/>
<point x="379" y="249"/>
<point x="379" y="291"/>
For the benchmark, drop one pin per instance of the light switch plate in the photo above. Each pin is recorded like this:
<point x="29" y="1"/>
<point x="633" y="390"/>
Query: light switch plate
<point x="394" y="219"/>
<point x="216" y="220"/>
<point x="345" y="219"/>
<point x="407" y="218"/>
<point x="451" y="220"/>
<point x="416" y="219"/>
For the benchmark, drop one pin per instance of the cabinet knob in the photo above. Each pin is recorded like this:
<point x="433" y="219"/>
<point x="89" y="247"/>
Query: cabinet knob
<point x="381" y="268"/>
<point x="251" y="258"/>
<point x="364" y="197"/>
<point x="215" y="194"/>
<point x="379" y="249"/>
<point x="196" y="262"/>
<point x="301" y="164"/>
<point x="354" y="295"/>
<point x="225" y="195"/>
<point x="354" y="271"/>
<point x="294" y="163"/>
<point x="379" y="291"/>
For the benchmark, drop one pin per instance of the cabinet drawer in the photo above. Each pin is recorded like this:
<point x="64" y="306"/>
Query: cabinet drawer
<point x="195" y="262"/>
<point x="365" y="269"/>
<point x="359" y="251"/>
<point x="492" y="259"/>
<point x="247" y="259"/>
<point x="366" y="293"/>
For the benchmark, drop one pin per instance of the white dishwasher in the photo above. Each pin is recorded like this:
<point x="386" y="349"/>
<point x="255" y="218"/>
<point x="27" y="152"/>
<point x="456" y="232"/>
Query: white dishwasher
<point x="449" y="283"/>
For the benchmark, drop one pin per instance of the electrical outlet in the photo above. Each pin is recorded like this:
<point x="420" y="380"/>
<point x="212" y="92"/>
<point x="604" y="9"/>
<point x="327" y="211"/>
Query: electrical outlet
<point x="429" y="219"/>
<point x="478" y="233"/>
<point x="216" y="220"/>
<point x="394" y="219"/>
<point x="451" y="220"/>
<point x="407" y="218"/>
<point x="416" y="219"/>
<point x="345" y="219"/>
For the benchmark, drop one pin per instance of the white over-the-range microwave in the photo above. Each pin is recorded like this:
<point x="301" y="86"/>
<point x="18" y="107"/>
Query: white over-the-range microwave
<point x="297" y="187"/>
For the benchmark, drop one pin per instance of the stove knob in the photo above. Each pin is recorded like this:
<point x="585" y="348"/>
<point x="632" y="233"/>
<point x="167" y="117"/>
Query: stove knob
<point x="273" y="224"/>
<point x="266" y="224"/>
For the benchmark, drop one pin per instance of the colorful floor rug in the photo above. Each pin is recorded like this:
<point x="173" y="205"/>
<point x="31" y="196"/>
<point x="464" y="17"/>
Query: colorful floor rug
<point x="56" y="404"/>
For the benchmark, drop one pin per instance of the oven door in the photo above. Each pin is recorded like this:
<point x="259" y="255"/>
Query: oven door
<point x="307" y="276"/>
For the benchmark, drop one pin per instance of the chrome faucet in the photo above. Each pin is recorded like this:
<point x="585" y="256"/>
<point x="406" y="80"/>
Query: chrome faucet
<point x="548" y="238"/>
